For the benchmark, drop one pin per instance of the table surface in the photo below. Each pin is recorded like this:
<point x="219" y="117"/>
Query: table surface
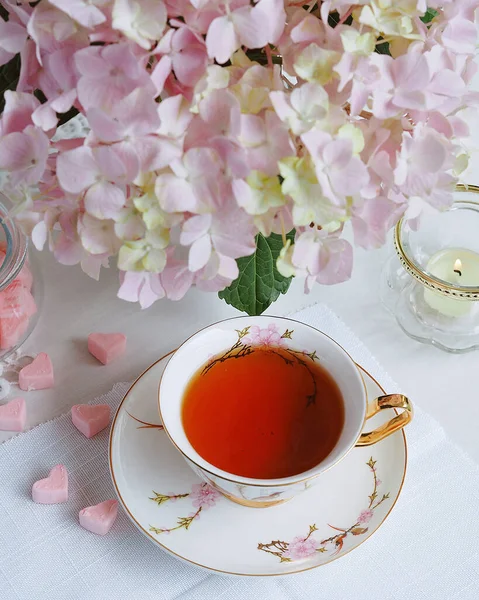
<point x="445" y="385"/>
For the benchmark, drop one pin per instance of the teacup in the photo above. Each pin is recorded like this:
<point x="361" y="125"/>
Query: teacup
<point x="229" y="336"/>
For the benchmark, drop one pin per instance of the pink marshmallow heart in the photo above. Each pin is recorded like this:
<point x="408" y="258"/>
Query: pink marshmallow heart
<point x="38" y="375"/>
<point x="25" y="277"/>
<point x="89" y="419"/>
<point x="99" y="518"/>
<point x="13" y="415"/>
<point x="11" y="301"/>
<point x="11" y="331"/>
<point x="106" y="346"/>
<point x="53" y="489"/>
<point x="29" y="304"/>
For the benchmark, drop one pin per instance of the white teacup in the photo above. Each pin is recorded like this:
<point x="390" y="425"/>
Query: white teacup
<point x="231" y="336"/>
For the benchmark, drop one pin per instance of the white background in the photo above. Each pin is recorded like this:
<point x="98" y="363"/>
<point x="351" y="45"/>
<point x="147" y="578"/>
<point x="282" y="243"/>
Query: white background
<point x="445" y="385"/>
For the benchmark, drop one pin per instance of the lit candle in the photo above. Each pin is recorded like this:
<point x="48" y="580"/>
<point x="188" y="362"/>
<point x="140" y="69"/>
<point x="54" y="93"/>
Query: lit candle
<point x="458" y="267"/>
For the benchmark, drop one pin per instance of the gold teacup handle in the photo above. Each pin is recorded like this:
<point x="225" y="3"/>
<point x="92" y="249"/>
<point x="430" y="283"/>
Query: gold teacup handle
<point x="396" y="423"/>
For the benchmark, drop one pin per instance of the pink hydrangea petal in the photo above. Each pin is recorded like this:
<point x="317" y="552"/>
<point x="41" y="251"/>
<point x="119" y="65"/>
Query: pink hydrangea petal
<point x="221" y="39"/>
<point x="76" y="169"/>
<point x="410" y="70"/>
<point x="130" y="285"/>
<point x="155" y="153"/>
<point x="39" y="235"/>
<point x="353" y="178"/>
<point x="148" y="295"/>
<point x="253" y="130"/>
<point x="91" y="265"/>
<point x="221" y="110"/>
<point x="194" y="228"/>
<point x="105" y="127"/>
<point x="109" y="163"/>
<point x="175" y="194"/>
<point x="64" y="102"/>
<point x="45" y="117"/>
<point x="15" y="152"/>
<point x="104" y="200"/>
<point x="190" y="56"/>
<point x="67" y="252"/>
<point x="200" y="252"/>
<point x="176" y="280"/>
<point x="338" y="153"/>
<point x="160" y="72"/>
<point x="12" y="36"/>
<point x="447" y="83"/>
<point x="233" y="219"/>
<point x="90" y="63"/>
<point x="272" y="16"/>
<point x="336" y="262"/>
<point x="252" y="32"/>
<point x="372" y="222"/>
<point x="84" y="12"/>
<point x="127" y="154"/>
<point x="140" y="111"/>
<point x="17" y="113"/>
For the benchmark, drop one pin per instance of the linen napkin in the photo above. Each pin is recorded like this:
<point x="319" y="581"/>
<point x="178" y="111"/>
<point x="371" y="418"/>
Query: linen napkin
<point x="427" y="548"/>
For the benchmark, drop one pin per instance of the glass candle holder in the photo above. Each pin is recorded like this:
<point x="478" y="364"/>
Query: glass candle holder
<point x="431" y="282"/>
<point x="20" y="286"/>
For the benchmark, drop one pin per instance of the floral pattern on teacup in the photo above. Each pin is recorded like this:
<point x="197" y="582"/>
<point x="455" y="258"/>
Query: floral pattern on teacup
<point x="305" y="546"/>
<point x="253" y="337"/>
<point x="267" y="336"/>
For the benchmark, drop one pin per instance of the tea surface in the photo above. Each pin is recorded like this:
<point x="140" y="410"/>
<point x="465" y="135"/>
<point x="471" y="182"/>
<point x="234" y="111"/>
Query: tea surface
<point x="268" y="414"/>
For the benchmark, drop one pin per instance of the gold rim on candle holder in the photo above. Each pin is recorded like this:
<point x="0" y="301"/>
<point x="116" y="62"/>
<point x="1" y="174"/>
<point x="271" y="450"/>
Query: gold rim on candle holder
<point x="429" y="281"/>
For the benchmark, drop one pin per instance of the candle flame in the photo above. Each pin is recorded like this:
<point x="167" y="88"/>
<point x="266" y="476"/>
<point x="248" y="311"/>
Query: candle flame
<point x="458" y="265"/>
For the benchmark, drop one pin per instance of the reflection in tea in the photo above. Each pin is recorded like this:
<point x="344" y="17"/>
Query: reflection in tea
<point x="266" y="414"/>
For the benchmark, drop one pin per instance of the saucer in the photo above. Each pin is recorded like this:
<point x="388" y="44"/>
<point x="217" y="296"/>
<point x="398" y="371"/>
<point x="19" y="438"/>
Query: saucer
<point x="191" y="520"/>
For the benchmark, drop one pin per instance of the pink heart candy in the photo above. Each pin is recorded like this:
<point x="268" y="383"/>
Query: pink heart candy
<point x="38" y="375"/>
<point x="29" y="304"/>
<point x="11" y="330"/>
<point x="106" y="346"/>
<point x="53" y="489"/>
<point x="90" y="419"/>
<point x="13" y="415"/>
<point x="12" y="301"/>
<point x="99" y="518"/>
<point x="25" y="277"/>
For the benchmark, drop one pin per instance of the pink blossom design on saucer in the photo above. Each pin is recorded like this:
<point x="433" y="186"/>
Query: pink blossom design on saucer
<point x="202" y="496"/>
<point x="302" y="547"/>
<point x="365" y="516"/>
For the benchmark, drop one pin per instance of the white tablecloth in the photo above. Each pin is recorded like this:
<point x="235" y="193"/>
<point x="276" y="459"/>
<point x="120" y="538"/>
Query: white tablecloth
<point x="426" y="549"/>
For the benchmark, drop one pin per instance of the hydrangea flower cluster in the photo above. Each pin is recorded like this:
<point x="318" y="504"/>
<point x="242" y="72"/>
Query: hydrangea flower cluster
<point x="214" y="120"/>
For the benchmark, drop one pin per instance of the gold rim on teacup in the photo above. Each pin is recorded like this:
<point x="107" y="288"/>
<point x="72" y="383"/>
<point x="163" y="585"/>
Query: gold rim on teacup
<point x="209" y="471"/>
<point x="434" y="283"/>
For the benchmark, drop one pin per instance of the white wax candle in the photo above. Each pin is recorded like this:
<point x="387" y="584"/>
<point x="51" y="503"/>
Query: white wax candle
<point x="456" y="266"/>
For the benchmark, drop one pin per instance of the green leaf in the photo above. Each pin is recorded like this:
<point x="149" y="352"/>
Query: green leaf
<point x="383" y="48"/>
<point x="259" y="283"/>
<point x="429" y="16"/>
